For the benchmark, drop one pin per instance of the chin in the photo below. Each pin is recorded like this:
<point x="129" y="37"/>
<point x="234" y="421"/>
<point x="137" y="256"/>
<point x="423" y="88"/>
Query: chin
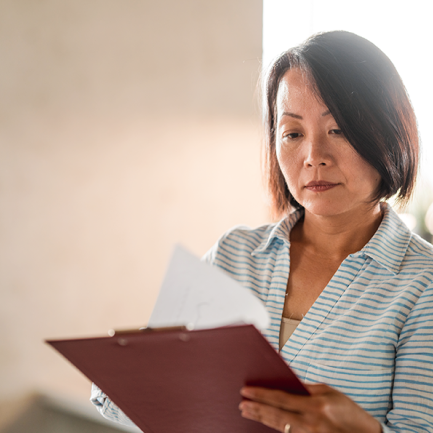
<point x="326" y="208"/>
<point x="333" y="208"/>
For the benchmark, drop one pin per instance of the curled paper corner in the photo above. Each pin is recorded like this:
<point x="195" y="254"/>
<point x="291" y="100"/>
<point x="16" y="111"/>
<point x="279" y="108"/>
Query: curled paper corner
<point x="197" y="292"/>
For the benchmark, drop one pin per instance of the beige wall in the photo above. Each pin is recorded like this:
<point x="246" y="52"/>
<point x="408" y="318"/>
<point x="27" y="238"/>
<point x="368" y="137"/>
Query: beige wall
<point x="125" y="126"/>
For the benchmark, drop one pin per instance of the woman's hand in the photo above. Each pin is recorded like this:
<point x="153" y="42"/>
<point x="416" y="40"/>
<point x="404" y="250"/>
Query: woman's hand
<point x="326" y="410"/>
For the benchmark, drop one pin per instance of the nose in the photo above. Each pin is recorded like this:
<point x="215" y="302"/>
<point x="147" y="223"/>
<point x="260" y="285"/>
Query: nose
<point x="316" y="153"/>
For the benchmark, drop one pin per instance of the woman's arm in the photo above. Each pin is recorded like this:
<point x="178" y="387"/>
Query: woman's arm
<point x="412" y="393"/>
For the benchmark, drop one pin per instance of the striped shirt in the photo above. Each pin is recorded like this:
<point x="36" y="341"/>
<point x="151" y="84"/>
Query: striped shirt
<point x="370" y="332"/>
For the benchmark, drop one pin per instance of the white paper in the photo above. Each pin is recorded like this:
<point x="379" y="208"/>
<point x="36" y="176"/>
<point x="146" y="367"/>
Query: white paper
<point x="198" y="294"/>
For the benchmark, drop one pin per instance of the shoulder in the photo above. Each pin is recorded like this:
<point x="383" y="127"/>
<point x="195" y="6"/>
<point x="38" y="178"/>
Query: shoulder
<point x="397" y="248"/>
<point x="418" y="256"/>
<point x="417" y="266"/>
<point x="242" y="241"/>
<point x="415" y="277"/>
<point x="239" y="241"/>
<point x="421" y="248"/>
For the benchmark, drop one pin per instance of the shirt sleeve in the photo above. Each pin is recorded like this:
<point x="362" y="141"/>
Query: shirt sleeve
<point x="107" y="408"/>
<point x="412" y="395"/>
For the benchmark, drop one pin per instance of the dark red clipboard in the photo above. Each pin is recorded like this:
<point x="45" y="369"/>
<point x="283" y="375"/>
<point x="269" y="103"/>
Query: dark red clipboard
<point x="182" y="381"/>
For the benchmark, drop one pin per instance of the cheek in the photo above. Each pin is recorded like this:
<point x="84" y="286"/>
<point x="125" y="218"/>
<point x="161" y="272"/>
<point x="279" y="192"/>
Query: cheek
<point x="363" y="175"/>
<point x="291" y="166"/>
<point x="287" y="162"/>
<point x="375" y="179"/>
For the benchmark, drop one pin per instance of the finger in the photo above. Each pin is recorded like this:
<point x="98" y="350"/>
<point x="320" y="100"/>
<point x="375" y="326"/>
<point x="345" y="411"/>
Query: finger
<point x="318" y="388"/>
<point x="277" y="398"/>
<point x="268" y="415"/>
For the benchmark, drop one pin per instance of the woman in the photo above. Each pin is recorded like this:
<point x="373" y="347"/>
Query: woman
<point x="342" y="269"/>
<point x="348" y="286"/>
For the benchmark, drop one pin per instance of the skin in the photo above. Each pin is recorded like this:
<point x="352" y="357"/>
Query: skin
<point x="335" y="185"/>
<point x="325" y="411"/>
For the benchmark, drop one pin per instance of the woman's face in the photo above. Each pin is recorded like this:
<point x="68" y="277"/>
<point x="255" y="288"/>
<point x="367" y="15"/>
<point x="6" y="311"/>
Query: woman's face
<point x="322" y="170"/>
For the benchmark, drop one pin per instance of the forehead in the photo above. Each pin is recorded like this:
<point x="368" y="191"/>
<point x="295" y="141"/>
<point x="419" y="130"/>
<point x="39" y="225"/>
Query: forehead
<point x="296" y="91"/>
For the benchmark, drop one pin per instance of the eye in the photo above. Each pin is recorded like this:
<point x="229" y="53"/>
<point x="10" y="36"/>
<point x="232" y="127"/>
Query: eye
<point x="336" y="131"/>
<point x="292" y="135"/>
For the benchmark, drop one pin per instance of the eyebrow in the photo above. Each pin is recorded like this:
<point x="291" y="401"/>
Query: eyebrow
<point x="297" y="116"/>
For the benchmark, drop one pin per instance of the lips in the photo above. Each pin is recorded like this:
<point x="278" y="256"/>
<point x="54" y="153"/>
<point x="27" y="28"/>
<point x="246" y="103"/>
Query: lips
<point x="320" y="185"/>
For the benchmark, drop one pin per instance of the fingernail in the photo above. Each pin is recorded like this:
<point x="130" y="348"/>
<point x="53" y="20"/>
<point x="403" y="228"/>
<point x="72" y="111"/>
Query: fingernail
<point x="247" y="412"/>
<point x="244" y="405"/>
<point x="247" y="415"/>
<point x="246" y="392"/>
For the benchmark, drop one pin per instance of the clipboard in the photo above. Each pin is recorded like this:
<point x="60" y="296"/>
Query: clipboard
<point x="182" y="381"/>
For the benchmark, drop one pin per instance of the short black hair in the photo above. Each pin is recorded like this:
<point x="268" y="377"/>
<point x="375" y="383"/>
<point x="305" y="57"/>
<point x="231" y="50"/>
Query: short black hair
<point x="367" y="98"/>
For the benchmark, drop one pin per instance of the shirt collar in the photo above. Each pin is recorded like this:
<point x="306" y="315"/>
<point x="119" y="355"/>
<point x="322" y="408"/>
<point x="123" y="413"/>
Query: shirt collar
<point x="387" y="247"/>
<point x="280" y="230"/>
<point x="389" y="244"/>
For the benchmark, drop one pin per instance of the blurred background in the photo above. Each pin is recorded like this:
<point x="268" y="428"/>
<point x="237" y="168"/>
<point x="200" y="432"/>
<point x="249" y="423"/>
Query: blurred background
<point x="125" y="127"/>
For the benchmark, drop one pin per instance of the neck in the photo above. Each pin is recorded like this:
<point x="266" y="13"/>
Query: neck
<point x="337" y="236"/>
